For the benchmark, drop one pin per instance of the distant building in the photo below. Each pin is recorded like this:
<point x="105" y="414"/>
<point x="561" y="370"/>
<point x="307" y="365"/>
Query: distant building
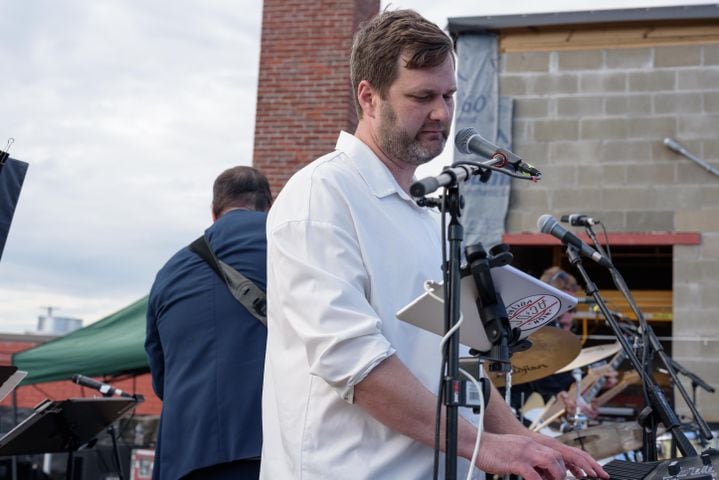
<point x="50" y="324"/>
<point x="53" y="325"/>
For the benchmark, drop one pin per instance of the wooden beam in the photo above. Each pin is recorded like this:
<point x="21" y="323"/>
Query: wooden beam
<point x="615" y="239"/>
<point x="617" y="35"/>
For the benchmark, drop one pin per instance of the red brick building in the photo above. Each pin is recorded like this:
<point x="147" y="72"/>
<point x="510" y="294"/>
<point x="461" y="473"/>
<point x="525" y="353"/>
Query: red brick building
<point x="29" y="396"/>
<point x="304" y="96"/>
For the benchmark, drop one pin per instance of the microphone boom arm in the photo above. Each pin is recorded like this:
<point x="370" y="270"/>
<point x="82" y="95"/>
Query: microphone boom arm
<point x="461" y="171"/>
<point x="650" y="340"/>
<point x="658" y="404"/>
<point x="677" y="147"/>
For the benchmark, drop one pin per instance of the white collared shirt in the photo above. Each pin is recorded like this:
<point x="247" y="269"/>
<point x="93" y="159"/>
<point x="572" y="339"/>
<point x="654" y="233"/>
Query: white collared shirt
<point x="347" y="249"/>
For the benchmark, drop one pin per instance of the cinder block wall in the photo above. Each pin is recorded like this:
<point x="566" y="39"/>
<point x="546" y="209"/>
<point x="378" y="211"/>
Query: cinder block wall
<point x="593" y="122"/>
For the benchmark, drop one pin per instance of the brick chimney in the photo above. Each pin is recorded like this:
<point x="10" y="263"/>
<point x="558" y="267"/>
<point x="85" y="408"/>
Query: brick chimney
<point x="304" y="97"/>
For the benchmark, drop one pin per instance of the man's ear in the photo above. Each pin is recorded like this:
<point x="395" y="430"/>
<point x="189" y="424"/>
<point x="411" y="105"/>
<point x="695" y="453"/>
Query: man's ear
<point x="367" y="97"/>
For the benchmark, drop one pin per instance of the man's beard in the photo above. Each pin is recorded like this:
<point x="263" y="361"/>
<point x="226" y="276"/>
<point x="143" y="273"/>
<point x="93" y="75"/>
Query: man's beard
<point x="400" y="146"/>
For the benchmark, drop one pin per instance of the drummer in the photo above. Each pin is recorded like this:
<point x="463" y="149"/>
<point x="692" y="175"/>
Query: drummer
<point x="559" y="383"/>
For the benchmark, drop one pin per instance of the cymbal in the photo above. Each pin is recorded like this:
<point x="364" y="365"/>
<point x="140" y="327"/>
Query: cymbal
<point x="551" y="349"/>
<point x="591" y="355"/>
<point x="604" y="441"/>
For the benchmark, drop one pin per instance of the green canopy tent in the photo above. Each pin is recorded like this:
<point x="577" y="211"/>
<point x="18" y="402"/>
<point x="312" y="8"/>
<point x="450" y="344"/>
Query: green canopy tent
<point x="109" y="347"/>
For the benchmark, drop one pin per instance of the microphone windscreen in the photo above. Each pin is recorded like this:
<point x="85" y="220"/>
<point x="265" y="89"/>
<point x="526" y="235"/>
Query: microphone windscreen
<point x="544" y="223"/>
<point x="461" y="140"/>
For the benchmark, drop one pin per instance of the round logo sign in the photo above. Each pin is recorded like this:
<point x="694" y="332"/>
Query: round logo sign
<point x="530" y="313"/>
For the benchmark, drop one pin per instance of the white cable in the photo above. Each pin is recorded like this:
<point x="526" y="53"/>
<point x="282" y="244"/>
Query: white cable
<point x="480" y="427"/>
<point x="477" y="385"/>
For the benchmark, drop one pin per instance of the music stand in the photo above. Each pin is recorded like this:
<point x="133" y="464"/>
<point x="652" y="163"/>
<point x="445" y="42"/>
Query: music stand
<point x="64" y="426"/>
<point x="12" y="176"/>
<point x="10" y="376"/>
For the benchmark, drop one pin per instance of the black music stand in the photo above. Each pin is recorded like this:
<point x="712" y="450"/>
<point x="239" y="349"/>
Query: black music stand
<point x="10" y="376"/>
<point x="12" y="176"/>
<point x="64" y="426"/>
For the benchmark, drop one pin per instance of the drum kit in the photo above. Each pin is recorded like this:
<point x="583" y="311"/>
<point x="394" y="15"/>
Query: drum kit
<point x="554" y="350"/>
<point x="607" y="440"/>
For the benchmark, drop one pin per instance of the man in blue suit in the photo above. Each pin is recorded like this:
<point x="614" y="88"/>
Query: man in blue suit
<point x="205" y="350"/>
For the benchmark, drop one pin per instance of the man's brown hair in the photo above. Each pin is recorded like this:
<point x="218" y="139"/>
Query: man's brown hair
<point x="241" y="187"/>
<point x="391" y="34"/>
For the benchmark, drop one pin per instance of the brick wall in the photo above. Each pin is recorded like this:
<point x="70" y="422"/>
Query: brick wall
<point x="304" y="97"/>
<point x="8" y="347"/>
<point x="593" y="122"/>
<point x="30" y="396"/>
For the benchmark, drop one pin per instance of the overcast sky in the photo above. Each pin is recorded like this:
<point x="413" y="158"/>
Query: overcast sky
<point x="126" y="111"/>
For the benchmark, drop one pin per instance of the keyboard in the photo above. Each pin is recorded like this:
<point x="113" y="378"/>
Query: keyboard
<point x="702" y="467"/>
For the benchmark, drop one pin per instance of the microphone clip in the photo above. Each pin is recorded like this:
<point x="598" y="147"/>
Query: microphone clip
<point x="517" y="163"/>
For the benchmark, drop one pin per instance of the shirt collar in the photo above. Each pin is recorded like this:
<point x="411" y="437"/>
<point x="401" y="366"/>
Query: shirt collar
<point x="373" y="171"/>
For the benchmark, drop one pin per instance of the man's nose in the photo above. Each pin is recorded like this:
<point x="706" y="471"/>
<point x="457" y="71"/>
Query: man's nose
<point x="441" y="110"/>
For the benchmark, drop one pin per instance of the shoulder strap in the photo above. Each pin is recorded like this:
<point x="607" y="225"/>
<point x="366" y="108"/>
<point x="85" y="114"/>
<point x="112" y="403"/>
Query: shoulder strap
<point x="242" y="288"/>
<point x="202" y="248"/>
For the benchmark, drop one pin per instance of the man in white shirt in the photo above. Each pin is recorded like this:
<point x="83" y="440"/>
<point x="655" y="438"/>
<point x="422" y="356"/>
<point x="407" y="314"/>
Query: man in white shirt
<point x="349" y="390"/>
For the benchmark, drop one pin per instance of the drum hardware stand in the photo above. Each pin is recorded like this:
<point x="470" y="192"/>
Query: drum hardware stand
<point x="657" y="409"/>
<point x="579" y="420"/>
<point x="652" y="346"/>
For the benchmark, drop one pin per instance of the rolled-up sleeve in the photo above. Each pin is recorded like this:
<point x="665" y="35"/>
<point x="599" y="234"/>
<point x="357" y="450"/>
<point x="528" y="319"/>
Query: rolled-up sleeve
<point x="321" y="298"/>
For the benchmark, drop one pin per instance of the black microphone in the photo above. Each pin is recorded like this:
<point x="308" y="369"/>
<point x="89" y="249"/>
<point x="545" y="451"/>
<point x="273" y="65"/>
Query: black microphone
<point x="468" y="140"/>
<point x="548" y="224"/>
<point x="104" y="388"/>
<point x="579" y="220"/>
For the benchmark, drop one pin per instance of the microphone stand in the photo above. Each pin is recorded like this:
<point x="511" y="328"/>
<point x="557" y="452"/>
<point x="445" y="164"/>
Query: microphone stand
<point x="452" y="381"/>
<point x="658" y="409"/>
<point x="697" y="381"/>
<point x="677" y="147"/>
<point x="454" y="388"/>
<point x="652" y="345"/>
<point x="492" y="312"/>
<point x="113" y="436"/>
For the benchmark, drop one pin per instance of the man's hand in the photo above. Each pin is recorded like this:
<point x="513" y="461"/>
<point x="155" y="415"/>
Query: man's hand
<point x="534" y="457"/>
<point x="579" y="462"/>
